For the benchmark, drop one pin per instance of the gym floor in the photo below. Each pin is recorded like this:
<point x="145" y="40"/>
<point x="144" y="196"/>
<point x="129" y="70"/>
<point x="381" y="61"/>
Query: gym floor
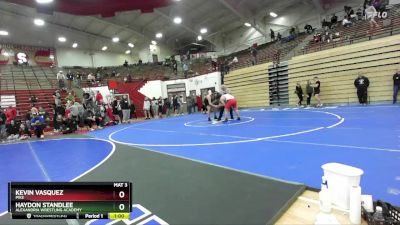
<point x="186" y="170"/>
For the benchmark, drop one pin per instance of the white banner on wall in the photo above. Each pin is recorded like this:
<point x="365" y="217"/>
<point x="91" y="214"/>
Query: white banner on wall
<point x="158" y="88"/>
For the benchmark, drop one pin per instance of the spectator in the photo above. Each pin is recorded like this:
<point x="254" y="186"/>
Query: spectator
<point x="37" y="123"/>
<point x="349" y="12"/>
<point x="396" y="86"/>
<point x="235" y="60"/>
<point x="189" y="104"/>
<point x="154" y="107"/>
<point x="160" y="107"/>
<point x="28" y="118"/>
<point x="309" y="90"/>
<point x="272" y="33"/>
<point x="362" y="84"/>
<point x="308" y="28"/>
<point x="146" y="108"/>
<point x="70" y="78"/>
<point x="185" y="69"/>
<point x="175" y="67"/>
<point x="24" y="132"/>
<point x="346" y="22"/>
<point x="129" y="79"/>
<point x="33" y="100"/>
<point x="89" y="118"/>
<point x="299" y="92"/>
<point x="125" y="63"/>
<point x="292" y="31"/>
<point x="117" y="110"/>
<point x="100" y="114"/>
<point x="279" y="36"/>
<point x="326" y="25"/>
<point x="334" y="19"/>
<point x="167" y="105"/>
<point x="12" y="131"/>
<point x="11" y="114"/>
<point x="254" y="52"/>
<point x="176" y="104"/>
<point x="60" y="79"/>
<point x="57" y="97"/>
<point x="58" y="120"/>
<point x="140" y="62"/>
<point x="88" y="100"/>
<point x="370" y="13"/>
<point x="45" y="115"/>
<point x="78" y="79"/>
<point x="199" y="102"/>
<point x="133" y="112"/>
<point x="3" y="120"/>
<point x="70" y="98"/>
<point x="125" y="106"/>
<point x="317" y="90"/>
<point x="81" y="110"/>
<point x="359" y="14"/>
<point x="91" y="80"/>
<point x="99" y="97"/>
<point x="69" y="125"/>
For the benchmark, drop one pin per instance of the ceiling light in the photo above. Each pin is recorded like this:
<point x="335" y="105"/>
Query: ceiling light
<point x="44" y="1"/>
<point x="159" y="35"/>
<point x="177" y="20"/>
<point x="273" y="14"/>
<point x="199" y="38"/>
<point x="115" y="39"/>
<point x="3" y="32"/>
<point x="75" y="45"/>
<point x="247" y="24"/>
<point x="203" y="30"/>
<point x="153" y="42"/>
<point x="128" y="52"/>
<point x="62" y="39"/>
<point x="38" y="22"/>
<point x="104" y="48"/>
<point x="5" y="54"/>
<point x="131" y="45"/>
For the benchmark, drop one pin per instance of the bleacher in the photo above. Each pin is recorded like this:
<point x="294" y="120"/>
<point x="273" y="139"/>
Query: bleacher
<point x="337" y="69"/>
<point x="250" y="85"/>
<point x="266" y="52"/>
<point x="27" y="77"/>
<point x="24" y="81"/>
<point x="360" y="31"/>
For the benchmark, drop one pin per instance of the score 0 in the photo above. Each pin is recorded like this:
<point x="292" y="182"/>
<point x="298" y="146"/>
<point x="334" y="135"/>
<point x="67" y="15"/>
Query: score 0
<point x="122" y="192"/>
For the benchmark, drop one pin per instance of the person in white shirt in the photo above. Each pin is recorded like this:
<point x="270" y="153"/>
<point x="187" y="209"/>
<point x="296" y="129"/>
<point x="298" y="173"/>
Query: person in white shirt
<point x="146" y="108"/>
<point x="60" y="78"/>
<point x="370" y="13"/>
<point x="346" y="22"/>
<point x="229" y="101"/>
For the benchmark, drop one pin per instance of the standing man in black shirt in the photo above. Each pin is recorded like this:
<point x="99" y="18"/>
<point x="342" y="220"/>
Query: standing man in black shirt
<point x="317" y="90"/>
<point x="299" y="92"/>
<point x="396" y="85"/>
<point x="126" y="111"/>
<point x="70" y="78"/>
<point x="362" y="84"/>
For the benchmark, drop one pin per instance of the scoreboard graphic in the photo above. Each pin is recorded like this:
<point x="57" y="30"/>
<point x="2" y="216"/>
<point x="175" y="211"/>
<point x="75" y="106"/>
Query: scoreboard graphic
<point x="76" y="200"/>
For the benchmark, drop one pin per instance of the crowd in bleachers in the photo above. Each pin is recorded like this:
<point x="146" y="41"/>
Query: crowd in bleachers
<point x="373" y="18"/>
<point x="68" y="116"/>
